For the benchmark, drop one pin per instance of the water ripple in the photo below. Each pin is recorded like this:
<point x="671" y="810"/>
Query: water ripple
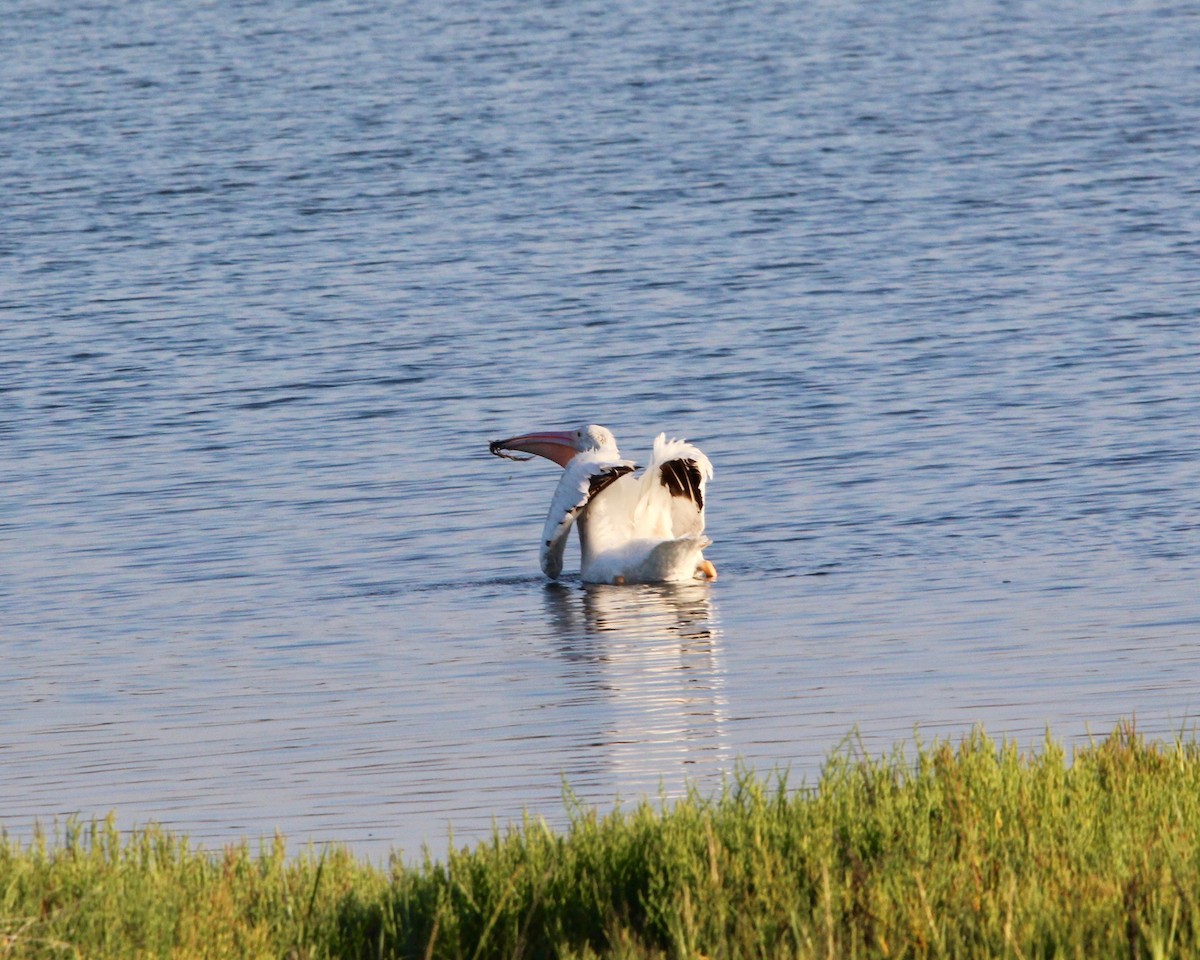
<point x="922" y="283"/>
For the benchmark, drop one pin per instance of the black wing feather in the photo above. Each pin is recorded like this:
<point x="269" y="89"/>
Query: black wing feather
<point x="682" y="479"/>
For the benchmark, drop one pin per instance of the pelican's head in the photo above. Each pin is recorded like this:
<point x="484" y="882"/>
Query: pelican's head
<point x="559" y="446"/>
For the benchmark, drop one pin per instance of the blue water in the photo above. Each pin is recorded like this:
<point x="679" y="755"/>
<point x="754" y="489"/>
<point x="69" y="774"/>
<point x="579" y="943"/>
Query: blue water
<point x="921" y="281"/>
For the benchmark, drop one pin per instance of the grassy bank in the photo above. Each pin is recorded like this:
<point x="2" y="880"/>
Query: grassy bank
<point x="978" y="850"/>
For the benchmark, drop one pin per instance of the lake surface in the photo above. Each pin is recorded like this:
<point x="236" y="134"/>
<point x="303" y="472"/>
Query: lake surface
<point x="921" y="281"/>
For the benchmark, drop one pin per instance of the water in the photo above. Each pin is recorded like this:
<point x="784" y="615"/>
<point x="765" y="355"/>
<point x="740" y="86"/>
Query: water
<point x="922" y="282"/>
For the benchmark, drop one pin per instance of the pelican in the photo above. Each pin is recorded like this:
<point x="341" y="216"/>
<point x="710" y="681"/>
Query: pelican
<point x="632" y="529"/>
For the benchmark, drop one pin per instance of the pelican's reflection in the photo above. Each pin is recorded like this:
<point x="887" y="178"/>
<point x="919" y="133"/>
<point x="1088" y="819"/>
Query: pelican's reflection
<point x="644" y="665"/>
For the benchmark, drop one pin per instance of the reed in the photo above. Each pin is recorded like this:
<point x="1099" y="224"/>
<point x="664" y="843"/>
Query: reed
<point x="971" y="850"/>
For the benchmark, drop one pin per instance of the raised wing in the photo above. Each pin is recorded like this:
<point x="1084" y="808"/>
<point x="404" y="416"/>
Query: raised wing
<point x="676" y="480"/>
<point x="584" y="478"/>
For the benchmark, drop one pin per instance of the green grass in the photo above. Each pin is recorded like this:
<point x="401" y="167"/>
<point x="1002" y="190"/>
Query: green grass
<point x="979" y="850"/>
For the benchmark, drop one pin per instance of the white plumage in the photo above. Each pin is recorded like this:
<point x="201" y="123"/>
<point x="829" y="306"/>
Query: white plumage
<point x="645" y="528"/>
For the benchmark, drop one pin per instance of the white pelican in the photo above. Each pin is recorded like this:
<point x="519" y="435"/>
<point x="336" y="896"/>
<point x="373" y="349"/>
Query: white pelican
<point x="643" y="529"/>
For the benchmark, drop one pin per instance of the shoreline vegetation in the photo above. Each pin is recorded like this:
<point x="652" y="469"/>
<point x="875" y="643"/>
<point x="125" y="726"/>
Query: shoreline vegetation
<point x="974" y="849"/>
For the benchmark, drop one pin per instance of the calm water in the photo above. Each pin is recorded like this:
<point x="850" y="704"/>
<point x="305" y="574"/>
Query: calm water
<point x="921" y="280"/>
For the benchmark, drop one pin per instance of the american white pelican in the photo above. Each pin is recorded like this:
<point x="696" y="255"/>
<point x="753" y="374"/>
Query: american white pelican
<point x="632" y="529"/>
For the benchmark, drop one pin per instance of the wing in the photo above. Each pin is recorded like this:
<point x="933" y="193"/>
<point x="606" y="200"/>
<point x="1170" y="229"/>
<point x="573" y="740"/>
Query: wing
<point x="673" y="487"/>
<point x="584" y="477"/>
